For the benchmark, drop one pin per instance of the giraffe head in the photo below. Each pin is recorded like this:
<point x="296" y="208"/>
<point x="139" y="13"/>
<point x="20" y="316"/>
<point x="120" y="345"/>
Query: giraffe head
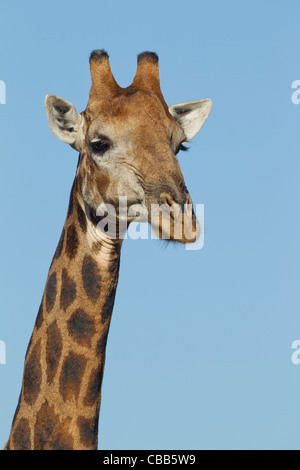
<point x="128" y="139"/>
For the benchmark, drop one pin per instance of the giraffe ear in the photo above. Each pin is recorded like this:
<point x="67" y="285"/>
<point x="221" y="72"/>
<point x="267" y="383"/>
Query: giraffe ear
<point x="64" y="121"/>
<point x="191" y="116"/>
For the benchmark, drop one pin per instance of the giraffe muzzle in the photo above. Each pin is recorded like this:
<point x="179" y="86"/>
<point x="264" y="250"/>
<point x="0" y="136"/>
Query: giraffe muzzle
<point x="173" y="221"/>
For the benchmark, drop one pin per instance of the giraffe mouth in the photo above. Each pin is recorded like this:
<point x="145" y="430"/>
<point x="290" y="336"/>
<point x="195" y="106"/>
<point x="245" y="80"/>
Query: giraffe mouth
<point x="175" y="222"/>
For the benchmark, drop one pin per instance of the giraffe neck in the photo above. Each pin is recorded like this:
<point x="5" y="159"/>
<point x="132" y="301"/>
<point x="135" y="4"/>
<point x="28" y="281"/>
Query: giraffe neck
<point x="60" y="398"/>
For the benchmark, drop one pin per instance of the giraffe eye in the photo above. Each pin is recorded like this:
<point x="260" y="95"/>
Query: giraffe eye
<point x="100" y="146"/>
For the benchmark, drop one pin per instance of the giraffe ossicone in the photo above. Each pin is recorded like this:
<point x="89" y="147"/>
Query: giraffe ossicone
<point x="127" y="139"/>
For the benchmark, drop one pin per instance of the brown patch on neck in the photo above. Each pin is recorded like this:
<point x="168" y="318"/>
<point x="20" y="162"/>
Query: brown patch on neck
<point x="81" y="327"/>
<point x="53" y="350"/>
<point x="51" y="432"/>
<point x="68" y="291"/>
<point x="21" y="437"/>
<point x="72" y="242"/>
<point x="88" y="430"/>
<point x="91" y="278"/>
<point x="71" y="376"/>
<point x="33" y="375"/>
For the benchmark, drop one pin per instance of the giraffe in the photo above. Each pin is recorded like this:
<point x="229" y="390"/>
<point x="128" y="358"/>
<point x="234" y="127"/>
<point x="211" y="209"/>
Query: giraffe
<point x="127" y="139"/>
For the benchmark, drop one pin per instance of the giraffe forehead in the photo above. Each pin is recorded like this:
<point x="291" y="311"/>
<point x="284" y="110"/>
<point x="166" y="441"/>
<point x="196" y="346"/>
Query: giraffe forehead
<point x="128" y="112"/>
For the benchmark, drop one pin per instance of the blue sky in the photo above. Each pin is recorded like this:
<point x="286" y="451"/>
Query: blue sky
<point x="199" y="352"/>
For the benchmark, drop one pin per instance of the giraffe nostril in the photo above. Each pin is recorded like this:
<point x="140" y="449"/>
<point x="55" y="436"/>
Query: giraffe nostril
<point x="167" y="199"/>
<point x="173" y="208"/>
<point x="170" y="201"/>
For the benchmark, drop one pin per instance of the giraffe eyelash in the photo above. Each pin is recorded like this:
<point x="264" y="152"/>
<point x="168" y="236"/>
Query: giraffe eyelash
<point x="181" y="148"/>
